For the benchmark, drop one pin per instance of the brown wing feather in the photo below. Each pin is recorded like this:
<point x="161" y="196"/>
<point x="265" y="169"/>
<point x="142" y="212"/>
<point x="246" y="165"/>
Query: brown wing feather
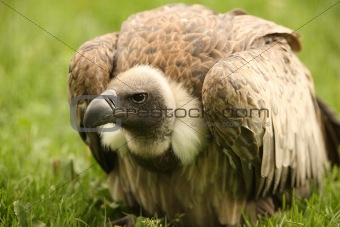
<point x="270" y="78"/>
<point x="89" y="73"/>
<point x="331" y="127"/>
<point x="185" y="42"/>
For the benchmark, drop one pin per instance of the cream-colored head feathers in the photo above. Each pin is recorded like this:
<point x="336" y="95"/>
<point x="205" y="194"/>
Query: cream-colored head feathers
<point x="188" y="134"/>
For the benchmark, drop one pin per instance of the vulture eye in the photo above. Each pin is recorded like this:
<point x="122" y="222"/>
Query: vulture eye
<point x="139" y="98"/>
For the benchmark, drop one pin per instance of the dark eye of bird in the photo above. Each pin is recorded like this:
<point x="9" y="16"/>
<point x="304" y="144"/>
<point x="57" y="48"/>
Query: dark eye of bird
<point x="139" y="98"/>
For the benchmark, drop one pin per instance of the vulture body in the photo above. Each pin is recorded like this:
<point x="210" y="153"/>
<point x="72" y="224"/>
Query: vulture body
<point x="217" y="115"/>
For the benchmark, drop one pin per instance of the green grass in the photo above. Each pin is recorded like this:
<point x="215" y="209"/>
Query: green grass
<point x="39" y="151"/>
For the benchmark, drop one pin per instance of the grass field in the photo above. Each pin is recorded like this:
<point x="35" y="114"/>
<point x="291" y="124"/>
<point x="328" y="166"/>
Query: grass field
<point x="40" y="153"/>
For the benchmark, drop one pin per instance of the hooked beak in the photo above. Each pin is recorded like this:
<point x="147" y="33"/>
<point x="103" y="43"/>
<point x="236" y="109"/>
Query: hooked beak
<point x="100" y="111"/>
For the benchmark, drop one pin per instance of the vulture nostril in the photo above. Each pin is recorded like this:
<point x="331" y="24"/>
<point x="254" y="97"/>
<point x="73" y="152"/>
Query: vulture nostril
<point x="111" y="103"/>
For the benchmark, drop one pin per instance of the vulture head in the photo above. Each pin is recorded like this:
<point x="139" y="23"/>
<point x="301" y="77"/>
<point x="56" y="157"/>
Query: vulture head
<point x="153" y="123"/>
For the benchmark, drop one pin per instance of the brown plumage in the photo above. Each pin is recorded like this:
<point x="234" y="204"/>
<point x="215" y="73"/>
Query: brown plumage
<point x="258" y="130"/>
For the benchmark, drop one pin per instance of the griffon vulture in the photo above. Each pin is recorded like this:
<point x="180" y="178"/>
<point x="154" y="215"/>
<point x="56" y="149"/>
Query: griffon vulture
<point x="217" y="117"/>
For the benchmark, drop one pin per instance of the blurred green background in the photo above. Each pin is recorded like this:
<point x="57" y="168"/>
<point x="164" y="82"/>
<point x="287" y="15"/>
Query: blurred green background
<point x="40" y="152"/>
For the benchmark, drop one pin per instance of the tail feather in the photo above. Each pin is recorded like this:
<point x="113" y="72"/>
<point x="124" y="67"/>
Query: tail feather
<point x="331" y="125"/>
